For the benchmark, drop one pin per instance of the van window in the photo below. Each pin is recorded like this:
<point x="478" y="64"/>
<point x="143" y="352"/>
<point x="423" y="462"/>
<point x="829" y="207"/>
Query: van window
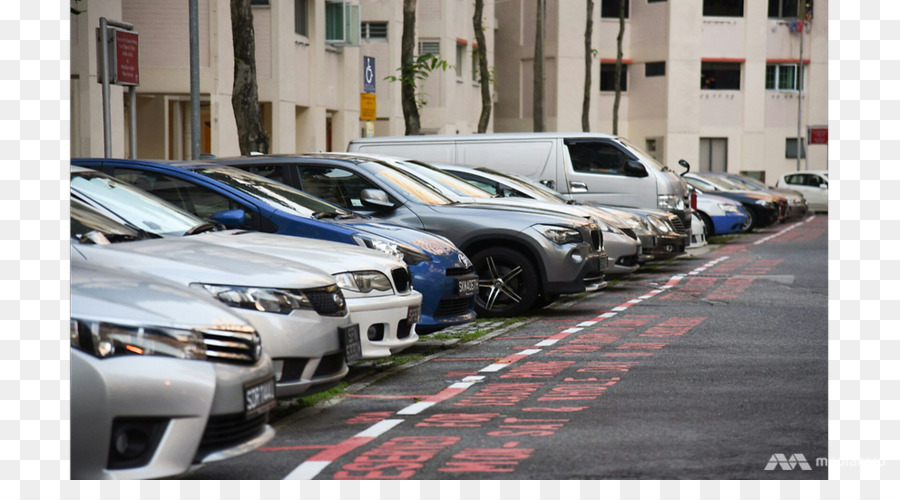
<point x="597" y="158"/>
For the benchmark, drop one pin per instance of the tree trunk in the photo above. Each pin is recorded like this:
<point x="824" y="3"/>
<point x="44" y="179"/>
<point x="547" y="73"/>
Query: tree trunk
<point x="588" y="60"/>
<point x="539" y="68"/>
<point x="245" y="99"/>
<point x="483" y="75"/>
<point x="407" y="73"/>
<point x="617" y="76"/>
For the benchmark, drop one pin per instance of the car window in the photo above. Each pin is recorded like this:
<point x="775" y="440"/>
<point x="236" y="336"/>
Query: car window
<point x="275" y="172"/>
<point x="597" y="158"/>
<point x="198" y="200"/>
<point x="795" y="179"/>
<point x="337" y="185"/>
<point x="480" y="184"/>
<point x="452" y="183"/>
<point x="813" y="180"/>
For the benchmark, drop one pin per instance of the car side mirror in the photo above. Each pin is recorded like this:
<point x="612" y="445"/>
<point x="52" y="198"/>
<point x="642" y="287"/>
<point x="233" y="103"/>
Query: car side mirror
<point x="375" y="199"/>
<point x="685" y="164"/>
<point x="823" y="185"/>
<point x="231" y="219"/>
<point x="635" y="168"/>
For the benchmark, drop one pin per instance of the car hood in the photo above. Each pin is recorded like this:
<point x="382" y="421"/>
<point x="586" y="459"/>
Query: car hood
<point x="324" y="255"/>
<point x="513" y="217"/>
<point x="103" y="293"/>
<point x="708" y="199"/>
<point x="532" y="204"/>
<point x="184" y="261"/>
<point x="436" y="247"/>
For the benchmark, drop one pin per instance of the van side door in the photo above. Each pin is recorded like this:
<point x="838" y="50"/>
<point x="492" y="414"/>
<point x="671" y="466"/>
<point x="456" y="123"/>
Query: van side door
<point x="602" y="171"/>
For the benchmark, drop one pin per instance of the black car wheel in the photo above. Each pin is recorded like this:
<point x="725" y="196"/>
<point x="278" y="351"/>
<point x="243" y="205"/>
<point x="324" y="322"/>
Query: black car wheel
<point x="708" y="223"/>
<point x="750" y="223"/>
<point x="507" y="282"/>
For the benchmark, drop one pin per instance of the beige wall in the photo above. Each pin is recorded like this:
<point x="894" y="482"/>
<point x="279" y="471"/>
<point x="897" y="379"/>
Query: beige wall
<point x="755" y="121"/>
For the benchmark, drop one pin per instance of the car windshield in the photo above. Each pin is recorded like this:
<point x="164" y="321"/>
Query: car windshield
<point x="720" y="183"/>
<point x="91" y="227"/>
<point x="271" y="192"/>
<point x="749" y="182"/>
<point x="702" y="185"/>
<point x="449" y="182"/>
<point x="532" y="187"/>
<point x="646" y="159"/>
<point x="406" y="185"/>
<point x="138" y="207"/>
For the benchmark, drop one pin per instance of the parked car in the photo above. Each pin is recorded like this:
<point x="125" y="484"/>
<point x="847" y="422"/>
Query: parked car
<point x="654" y="229"/>
<point x="812" y="184"/>
<point x="588" y="167"/>
<point x="376" y="287"/>
<point x="762" y="209"/>
<point x="797" y="206"/>
<point x="242" y="200"/>
<point x="720" y="215"/>
<point x="519" y="254"/>
<point x="163" y="379"/>
<point x="299" y="312"/>
<point x="698" y="231"/>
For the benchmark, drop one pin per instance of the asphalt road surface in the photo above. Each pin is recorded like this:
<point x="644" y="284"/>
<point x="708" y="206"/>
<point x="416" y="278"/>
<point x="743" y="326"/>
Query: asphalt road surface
<point x="707" y="367"/>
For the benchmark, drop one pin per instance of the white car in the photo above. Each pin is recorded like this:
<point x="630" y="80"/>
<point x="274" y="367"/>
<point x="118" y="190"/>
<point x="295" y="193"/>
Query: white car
<point x="163" y="379"/>
<point x="812" y="184"/>
<point x="698" y="231"/>
<point x="299" y="312"/>
<point x="377" y="287"/>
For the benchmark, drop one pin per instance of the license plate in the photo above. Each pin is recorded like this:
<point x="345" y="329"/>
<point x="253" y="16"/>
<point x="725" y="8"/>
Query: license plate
<point x="414" y="314"/>
<point x="466" y="288"/>
<point x="351" y="343"/>
<point x="259" y="396"/>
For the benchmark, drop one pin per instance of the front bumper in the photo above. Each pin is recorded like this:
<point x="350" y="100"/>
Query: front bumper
<point x="387" y="318"/>
<point x="728" y="223"/>
<point x="668" y="246"/>
<point x="185" y="397"/>
<point x="574" y="268"/>
<point x="623" y="254"/>
<point x="305" y="348"/>
<point x="797" y="211"/>
<point x="442" y="306"/>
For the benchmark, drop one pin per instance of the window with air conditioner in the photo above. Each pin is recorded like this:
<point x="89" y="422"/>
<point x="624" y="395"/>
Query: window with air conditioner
<point x="342" y="25"/>
<point x="790" y="8"/>
<point x="608" y="77"/>
<point x="375" y="30"/>
<point x="720" y="76"/>
<point x="429" y="47"/>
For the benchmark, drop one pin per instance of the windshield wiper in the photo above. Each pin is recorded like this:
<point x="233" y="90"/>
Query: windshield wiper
<point x="202" y="228"/>
<point x="326" y="215"/>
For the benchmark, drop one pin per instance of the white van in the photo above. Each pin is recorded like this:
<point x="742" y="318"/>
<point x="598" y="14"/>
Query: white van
<point x="586" y="167"/>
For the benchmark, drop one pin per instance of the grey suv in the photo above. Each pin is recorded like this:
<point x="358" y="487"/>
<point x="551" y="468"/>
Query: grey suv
<point x="523" y="257"/>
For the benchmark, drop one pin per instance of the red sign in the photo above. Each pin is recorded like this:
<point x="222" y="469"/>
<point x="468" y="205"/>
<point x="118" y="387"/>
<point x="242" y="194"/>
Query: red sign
<point x="126" y="58"/>
<point x="818" y="135"/>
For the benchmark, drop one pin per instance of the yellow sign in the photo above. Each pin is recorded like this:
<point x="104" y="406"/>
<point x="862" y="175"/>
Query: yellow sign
<point x="366" y="107"/>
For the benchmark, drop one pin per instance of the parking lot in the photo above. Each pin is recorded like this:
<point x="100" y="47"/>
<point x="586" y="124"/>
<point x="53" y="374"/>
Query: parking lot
<point x="704" y="366"/>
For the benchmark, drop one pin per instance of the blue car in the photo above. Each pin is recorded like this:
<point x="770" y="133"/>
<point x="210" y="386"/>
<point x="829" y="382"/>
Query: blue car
<point x="721" y="215"/>
<point x="240" y="199"/>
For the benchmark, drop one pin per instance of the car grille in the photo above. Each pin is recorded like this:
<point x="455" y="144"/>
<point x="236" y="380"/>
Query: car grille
<point x="453" y="307"/>
<point x="327" y="301"/>
<point x="677" y="224"/>
<point x="329" y="364"/>
<point x="232" y="346"/>
<point x="403" y="329"/>
<point x="401" y="279"/>
<point x="292" y="369"/>
<point x="459" y="271"/>
<point x="595" y="239"/>
<point x="224" y="431"/>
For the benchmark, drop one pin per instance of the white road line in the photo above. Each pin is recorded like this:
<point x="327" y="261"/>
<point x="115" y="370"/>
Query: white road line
<point x="496" y="367"/>
<point x="529" y="352"/>
<point x="571" y="330"/>
<point x="307" y="470"/>
<point x="461" y="385"/>
<point x="546" y="343"/>
<point x="811" y="217"/>
<point x="381" y="427"/>
<point x="607" y="315"/>
<point x="416" y="408"/>
<point x="587" y="323"/>
<point x="620" y="308"/>
<point x="473" y="378"/>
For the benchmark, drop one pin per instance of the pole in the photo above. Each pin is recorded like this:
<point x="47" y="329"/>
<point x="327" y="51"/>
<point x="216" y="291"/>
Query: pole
<point x="538" y="87"/>
<point x="104" y="80"/>
<point x="799" y="99"/>
<point x="195" y="79"/>
<point x="132" y="103"/>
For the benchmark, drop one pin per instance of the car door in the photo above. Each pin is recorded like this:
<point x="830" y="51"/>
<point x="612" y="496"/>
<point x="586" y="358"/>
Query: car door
<point x="817" y="187"/>
<point x="596" y="171"/>
<point x="343" y="187"/>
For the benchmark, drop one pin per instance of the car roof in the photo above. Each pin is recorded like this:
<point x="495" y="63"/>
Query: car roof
<point x="484" y="137"/>
<point x="288" y="158"/>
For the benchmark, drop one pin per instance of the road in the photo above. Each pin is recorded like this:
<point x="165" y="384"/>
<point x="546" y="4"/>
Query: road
<point x="703" y="367"/>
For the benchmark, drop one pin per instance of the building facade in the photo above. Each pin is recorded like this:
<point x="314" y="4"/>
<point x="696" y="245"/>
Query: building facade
<point x="711" y="81"/>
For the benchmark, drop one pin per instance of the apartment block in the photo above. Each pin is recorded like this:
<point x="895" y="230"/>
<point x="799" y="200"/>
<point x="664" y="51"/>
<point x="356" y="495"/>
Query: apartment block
<point x="712" y="81"/>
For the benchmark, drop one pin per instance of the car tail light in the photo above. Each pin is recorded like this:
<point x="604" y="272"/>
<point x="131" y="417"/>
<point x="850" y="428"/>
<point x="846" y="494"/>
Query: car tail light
<point x="693" y="200"/>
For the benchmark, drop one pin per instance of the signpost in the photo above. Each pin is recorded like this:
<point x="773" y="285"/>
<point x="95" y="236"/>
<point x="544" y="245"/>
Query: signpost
<point x="119" y="64"/>
<point x="367" y="103"/>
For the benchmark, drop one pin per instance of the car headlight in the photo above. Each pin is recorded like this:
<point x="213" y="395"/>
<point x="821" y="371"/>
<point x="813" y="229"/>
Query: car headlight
<point x="670" y="202"/>
<point x="659" y="224"/>
<point x="559" y="234"/>
<point x="731" y="209"/>
<point x="106" y="340"/>
<point x="410" y="256"/>
<point x="364" y="281"/>
<point x="765" y="203"/>
<point x="272" y="300"/>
